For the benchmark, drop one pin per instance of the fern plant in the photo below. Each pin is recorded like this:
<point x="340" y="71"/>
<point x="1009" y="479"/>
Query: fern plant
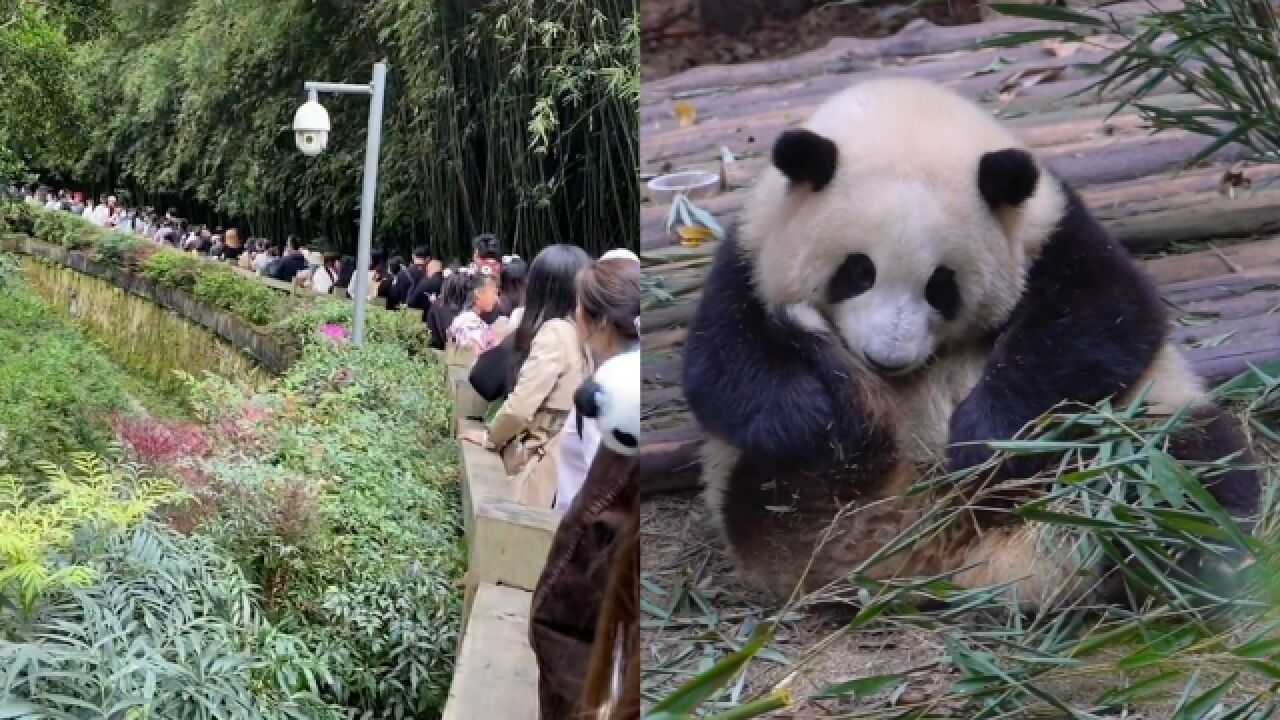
<point x="168" y="628"/>
<point x="38" y="525"/>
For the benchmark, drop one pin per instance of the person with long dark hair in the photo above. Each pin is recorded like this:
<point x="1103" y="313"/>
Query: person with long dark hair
<point x="395" y="288"/>
<point x="514" y="273"/>
<point x="451" y="301"/>
<point x="346" y="274"/>
<point x="548" y="363"/>
<point x="607" y="320"/>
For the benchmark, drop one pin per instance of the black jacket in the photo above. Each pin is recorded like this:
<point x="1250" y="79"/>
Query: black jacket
<point x="439" y="318"/>
<point x="489" y="374"/>
<point x="289" y="267"/>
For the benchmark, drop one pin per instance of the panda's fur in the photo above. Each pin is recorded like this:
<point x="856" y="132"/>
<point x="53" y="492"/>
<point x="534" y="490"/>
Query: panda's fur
<point x="988" y="295"/>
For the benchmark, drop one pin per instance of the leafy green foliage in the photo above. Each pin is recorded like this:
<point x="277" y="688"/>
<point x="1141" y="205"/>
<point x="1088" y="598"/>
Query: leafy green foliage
<point x="223" y="288"/>
<point x="403" y="328"/>
<point x="34" y="530"/>
<point x="120" y="249"/>
<point x="175" y="269"/>
<point x="515" y="117"/>
<point x="55" y="387"/>
<point x="63" y="229"/>
<point x="168" y="627"/>
<point x="335" y="492"/>
<point x="1223" y="52"/>
<point x="43" y="104"/>
<point x="16" y="217"/>
<point x="9" y="271"/>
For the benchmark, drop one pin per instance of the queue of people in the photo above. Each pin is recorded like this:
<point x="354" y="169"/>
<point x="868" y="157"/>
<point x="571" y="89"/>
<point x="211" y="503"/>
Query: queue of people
<point x="530" y="336"/>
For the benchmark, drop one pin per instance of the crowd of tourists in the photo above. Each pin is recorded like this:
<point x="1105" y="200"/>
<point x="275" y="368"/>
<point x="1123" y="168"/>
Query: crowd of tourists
<point x="528" y="335"/>
<point x="572" y="314"/>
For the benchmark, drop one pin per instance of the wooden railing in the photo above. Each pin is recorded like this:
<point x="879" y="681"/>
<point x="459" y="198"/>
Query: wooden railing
<point x="507" y="544"/>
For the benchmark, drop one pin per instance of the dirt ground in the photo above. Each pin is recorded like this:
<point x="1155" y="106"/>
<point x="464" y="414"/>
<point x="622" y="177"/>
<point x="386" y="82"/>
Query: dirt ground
<point x="679" y="48"/>
<point x="687" y="573"/>
<point x="694" y="611"/>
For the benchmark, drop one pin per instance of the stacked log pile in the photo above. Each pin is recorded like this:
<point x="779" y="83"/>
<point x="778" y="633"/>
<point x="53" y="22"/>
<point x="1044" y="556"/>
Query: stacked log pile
<point x="1219" y="270"/>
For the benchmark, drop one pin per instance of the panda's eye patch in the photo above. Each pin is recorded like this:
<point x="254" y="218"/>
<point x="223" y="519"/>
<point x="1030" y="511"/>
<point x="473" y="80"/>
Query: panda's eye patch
<point x="941" y="292"/>
<point x="855" y="276"/>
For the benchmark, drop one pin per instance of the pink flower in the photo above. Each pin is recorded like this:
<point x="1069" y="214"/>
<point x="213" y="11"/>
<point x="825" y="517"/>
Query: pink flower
<point x="337" y="333"/>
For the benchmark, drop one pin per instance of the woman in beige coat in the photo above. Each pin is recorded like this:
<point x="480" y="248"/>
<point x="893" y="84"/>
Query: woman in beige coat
<point x="548" y="365"/>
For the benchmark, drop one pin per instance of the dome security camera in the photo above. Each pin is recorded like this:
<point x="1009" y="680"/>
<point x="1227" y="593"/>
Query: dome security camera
<point x="311" y="128"/>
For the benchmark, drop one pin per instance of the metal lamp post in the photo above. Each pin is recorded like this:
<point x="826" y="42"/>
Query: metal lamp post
<point x="311" y="127"/>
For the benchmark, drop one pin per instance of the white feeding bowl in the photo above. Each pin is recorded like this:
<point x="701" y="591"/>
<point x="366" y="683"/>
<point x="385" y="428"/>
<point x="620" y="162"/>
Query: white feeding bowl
<point x="694" y="184"/>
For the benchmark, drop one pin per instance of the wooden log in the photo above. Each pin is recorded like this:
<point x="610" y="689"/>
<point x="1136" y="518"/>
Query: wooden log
<point x="1180" y="268"/>
<point x="664" y="318"/>
<point x="753" y="118"/>
<point x="919" y="38"/>
<point x="1146" y="225"/>
<point x="735" y="18"/>
<point x="651" y="341"/>
<point x="668" y="467"/>
<point x="665" y="371"/>
<point x="659" y="396"/>
<point x="496" y="675"/>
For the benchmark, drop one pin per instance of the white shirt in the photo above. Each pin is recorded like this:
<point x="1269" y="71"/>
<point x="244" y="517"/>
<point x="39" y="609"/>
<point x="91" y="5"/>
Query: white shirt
<point x="322" y="280"/>
<point x="101" y="215"/>
<point x="576" y="454"/>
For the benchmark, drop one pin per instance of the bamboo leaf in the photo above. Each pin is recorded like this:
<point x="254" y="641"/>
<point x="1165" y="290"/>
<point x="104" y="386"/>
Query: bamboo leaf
<point x="860" y="687"/>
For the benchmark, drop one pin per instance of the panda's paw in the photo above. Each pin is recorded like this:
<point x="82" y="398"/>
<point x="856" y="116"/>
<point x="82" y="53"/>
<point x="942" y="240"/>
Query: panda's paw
<point x="970" y="429"/>
<point x="807" y="317"/>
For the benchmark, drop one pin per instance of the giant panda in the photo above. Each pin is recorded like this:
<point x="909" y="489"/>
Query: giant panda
<point x="907" y="281"/>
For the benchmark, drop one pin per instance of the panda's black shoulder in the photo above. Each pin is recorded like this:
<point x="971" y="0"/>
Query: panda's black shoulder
<point x="729" y="313"/>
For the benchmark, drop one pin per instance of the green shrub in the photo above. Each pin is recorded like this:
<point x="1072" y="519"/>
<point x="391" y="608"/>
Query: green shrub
<point x="117" y="248"/>
<point x="34" y="533"/>
<point x="247" y="298"/>
<point x="169" y="630"/>
<point x="404" y="329"/>
<point x="59" y="228"/>
<point x="55" y="387"/>
<point x="118" y="613"/>
<point x="370" y="583"/>
<point x="9" y="271"/>
<point x="172" y="268"/>
<point x="16" y="216"/>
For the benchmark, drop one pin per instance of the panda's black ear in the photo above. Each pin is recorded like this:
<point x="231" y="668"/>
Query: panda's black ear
<point x="1006" y="178"/>
<point x="806" y="157"/>
<point x="585" y="399"/>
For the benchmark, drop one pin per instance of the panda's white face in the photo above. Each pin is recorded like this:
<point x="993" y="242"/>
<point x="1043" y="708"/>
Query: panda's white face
<point x="876" y="219"/>
<point x="893" y="290"/>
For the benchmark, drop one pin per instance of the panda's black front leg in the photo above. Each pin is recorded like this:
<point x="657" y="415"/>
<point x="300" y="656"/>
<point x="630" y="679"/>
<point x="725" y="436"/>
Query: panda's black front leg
<point x="1087" y="327"/>
<point x="775" y="385"/>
